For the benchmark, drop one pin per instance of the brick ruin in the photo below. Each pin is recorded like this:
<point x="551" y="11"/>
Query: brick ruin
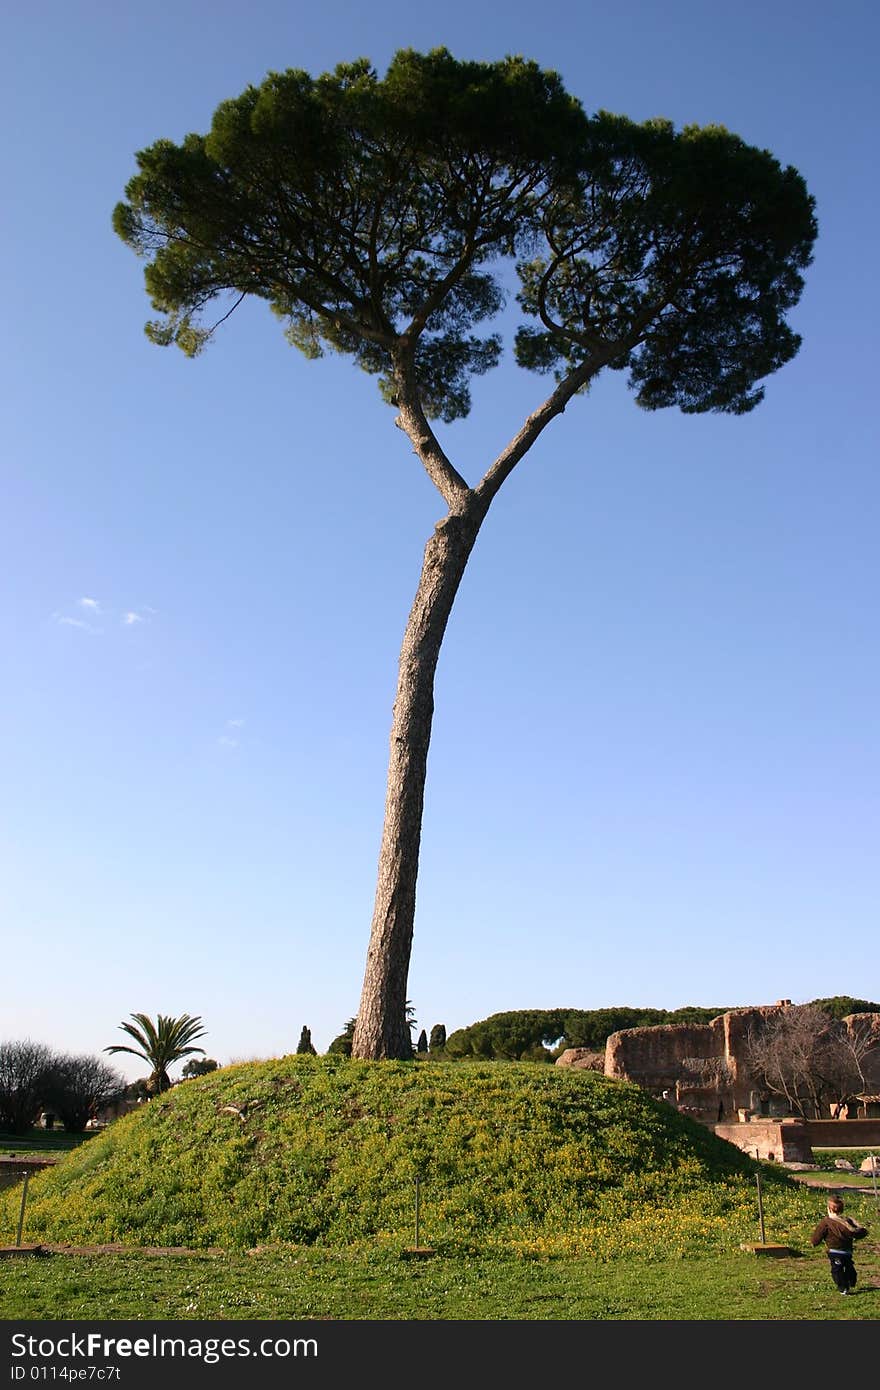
<point x="701" y="1069"/>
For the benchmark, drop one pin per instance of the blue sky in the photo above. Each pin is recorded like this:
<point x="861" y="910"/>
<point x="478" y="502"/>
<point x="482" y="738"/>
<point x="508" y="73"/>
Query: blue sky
<point x="655" y="765"/>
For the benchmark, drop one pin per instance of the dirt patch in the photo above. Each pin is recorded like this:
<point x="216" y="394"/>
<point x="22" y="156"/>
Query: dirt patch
<point x="115" y="1249"/>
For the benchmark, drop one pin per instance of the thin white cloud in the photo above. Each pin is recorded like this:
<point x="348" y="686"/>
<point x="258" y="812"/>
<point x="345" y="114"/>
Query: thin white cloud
<point x="226" y="742"/>
<point x="92" y="608"/>
<point x="65" y="620"/>
<point x="234" y="723"/>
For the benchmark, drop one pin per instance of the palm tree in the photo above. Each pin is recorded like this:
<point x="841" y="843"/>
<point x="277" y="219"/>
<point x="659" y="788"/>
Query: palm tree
<point x="161" y="1044"/>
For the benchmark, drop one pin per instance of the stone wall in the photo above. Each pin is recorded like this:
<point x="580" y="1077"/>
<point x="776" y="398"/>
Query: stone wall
<point x="654" y="1057"/>
<point x="700" y="1067"/>
<point x="794" y="1141"/>
<point x="775" y="1141"/>
<point x="844" y="1134"/>
<point x="583" y="1057"/>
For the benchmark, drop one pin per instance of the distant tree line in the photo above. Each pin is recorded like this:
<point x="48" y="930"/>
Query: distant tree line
<point x="34" y="1080"/>
<point x="543" y="1034"/>
<point x="842" y="1005"/>
<point x="530" y="1034"/>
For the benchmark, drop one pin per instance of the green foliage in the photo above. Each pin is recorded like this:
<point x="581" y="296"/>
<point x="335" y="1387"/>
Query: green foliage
<point x="826" y="1158"/>
<point x="355" y="207"/>
<point x="196" y="1066"/>
<point x="526" y="1159"/>
<point x="410" y="1015"/>
<point x="437" y="1040"/>
<point x="684" y="248"/>
<point x="42" y="1141"/>
<point x="374" y="217"/>
<point x="518" y="1034"/>
<point x="305" y="1044"/>
<point x="161" y="1044"/>
<point x="841" y="1005"/>
<point x="341" y="1045"/>
<point x="522" y="1034"/>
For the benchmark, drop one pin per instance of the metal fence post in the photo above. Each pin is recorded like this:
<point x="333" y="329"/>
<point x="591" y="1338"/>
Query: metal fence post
<point x="24" y="1189"/>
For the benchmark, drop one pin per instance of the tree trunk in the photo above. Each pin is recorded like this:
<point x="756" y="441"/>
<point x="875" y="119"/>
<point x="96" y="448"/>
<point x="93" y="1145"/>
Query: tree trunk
<point x="382" y="1030"/>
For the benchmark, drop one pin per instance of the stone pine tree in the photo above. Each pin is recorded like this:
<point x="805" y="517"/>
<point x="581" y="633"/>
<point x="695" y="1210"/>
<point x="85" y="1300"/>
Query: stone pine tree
<point x="378" y="218"/>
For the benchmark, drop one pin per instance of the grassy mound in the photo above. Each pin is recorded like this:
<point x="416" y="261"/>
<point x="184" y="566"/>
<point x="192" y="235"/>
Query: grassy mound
<point x="322" y="1150"/>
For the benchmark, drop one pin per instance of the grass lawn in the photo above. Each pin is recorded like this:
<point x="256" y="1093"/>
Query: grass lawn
<point x="42" y="1143"/>
<point x="304" y="1284"/>
<point x="546" y="1195"/>
<point x="827" y="1174"/>
<point x="834" y="1177"/>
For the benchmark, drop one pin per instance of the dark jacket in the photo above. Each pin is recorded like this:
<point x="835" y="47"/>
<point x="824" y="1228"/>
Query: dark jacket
<point x="838" y="1232"/>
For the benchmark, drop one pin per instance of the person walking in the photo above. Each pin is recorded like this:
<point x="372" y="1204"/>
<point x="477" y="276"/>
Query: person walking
<point x="839" y="1232"/>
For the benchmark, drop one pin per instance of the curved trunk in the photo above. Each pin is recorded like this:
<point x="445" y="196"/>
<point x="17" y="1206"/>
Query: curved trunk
<point x="381" y="1029"/>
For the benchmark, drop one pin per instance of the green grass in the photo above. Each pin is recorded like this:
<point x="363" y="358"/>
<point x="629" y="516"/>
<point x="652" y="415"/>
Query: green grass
<point x="841" y="1177"/>
<point x="42" y="1143"/>
<point x="378" y="1285"/>
<point x="35" y="1144"/>
<point x="826" y="1157"/>
<point x="544" y="1193"/>
<point x="834" y="1177"/>
<point x="513" y="1158"/>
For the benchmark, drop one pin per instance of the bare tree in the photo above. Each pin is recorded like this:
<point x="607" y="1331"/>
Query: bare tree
<point x="860" y="1042"/>
<point x="24" y="1073"/>
<point x="811" y="1060"/>
<point x="77" y="1087"/>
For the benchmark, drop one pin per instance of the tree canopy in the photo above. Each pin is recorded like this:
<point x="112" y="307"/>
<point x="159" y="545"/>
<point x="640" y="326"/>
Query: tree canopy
<point x="525" y="1033"/>
<point x="842" y="1005"/>
<point x="371" y="214"/>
